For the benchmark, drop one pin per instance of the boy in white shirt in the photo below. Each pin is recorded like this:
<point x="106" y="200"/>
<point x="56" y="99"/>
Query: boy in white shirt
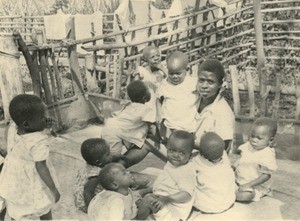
<point x="177" y="96"/>
<point x="258" y="161"/>
<point x="215" y="189"/>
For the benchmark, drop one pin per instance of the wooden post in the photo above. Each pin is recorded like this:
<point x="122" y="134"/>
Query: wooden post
<point x="260" y="56"/>
<point x="10" y="74"/>
<point x="115" y="77"/>
<point x="56" y="74"/>
<point x="107" y="73"/>
<point x="250" y="86"/>
<point x="235" y="89"/>
<point x="73" y="58"/>
<point x="277" y="95"/>
<point x="90" y="73"/>
<point x="297" y="128"/>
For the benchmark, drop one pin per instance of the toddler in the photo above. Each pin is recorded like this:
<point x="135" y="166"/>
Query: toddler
<point x="257" y="163"/>
<point x="26" y="184"/>
<point x="96" y="154"/>
<point x="215" y="189"/>
<point x="177" y="96"/>
<point x="130" y="126"/>
<point x="117" y="201"/>
<point x="173" y="190"/>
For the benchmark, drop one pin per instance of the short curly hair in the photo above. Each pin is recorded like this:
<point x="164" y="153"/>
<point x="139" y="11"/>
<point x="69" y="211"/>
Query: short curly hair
<point x="214" y="66"/>
<point x="137" y="91"/>
<point x="184" y="135"/>
<point x="24" y="106"/>
<point x="93" y="149"/>
<point x="268" y="122"/>
<point x="211" y="146"/>
<point x="106" y="176"/>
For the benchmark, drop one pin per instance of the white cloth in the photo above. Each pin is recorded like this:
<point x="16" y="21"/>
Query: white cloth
<point x="216" y="117"/>
<point x="129" y="124"/>
<point x="215" y="189"/>
<point x="254" y="163"/>
<point x="21" y="186"/>
<point x="179" y="105"/>
<point x="110" y="205"/>
<point x="55" y="25"/>
<point x="171" y="181"/>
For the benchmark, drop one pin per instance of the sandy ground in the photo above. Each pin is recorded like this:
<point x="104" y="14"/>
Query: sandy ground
<point x="65" y="156"/>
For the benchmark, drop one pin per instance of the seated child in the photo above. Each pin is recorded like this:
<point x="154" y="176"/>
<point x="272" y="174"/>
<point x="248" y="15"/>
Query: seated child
<point x="117" y="201"/>
<point x="215" y="188"/>
<point x="130" y="126"/>
<point x="96" y="154"/>
<point x="177" y="96"/>
<point x="26" y="183"/>
<point x="173" y="190"/>
<point x="257" y="163"/>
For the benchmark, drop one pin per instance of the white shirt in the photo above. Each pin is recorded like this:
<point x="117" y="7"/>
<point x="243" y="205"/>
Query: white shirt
<point x="216" y="117"/>
<point x="215" y="189"/>
<point x="254" y="163"/>
<point x="179" y="105"/>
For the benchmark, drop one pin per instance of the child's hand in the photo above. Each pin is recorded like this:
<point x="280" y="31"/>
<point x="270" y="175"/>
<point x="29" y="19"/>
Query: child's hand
<point x="50" y="122"/>
<point x="161" y="202"/>
<point x="56" y="195"/>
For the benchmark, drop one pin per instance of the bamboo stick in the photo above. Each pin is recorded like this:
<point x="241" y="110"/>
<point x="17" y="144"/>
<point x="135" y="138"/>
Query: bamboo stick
<point x="107" y="60"/>
<point x="282" y="32"/>
<point x="281" y="21"/>
<point x="56" y="73"/>
<point x="277" y="95"/>
<point x="250" y="87"/>
<point x="115" y="77"/>
<point x="279" y="9"/>
<point x="260" y="55"/>
<point x="51" y="74"/>
<point x="279" y="2"/>
<point x="90" y="73"/>
<point x="235" y="89"/>
<point x="44" y="77"/>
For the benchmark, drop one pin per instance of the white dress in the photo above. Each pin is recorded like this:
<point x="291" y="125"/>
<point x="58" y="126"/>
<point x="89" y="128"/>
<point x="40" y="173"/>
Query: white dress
<point x="21" y="186"/>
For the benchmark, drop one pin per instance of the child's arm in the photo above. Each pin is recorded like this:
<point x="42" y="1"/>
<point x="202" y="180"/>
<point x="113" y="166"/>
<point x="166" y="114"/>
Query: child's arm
<point x="89" y="190"/>
<point x="180" y="197"/>
<point x="45" y="175"/>
<point x="260" y="180"/>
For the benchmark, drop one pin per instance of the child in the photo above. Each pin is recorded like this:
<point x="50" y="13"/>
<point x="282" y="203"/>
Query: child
<point x="174" y="188"/>
<point x="26" y="184"/>
<point x="257" y="162"/>
<point x="178" y="96"/>
<point x="96" y="154"/>
<point x="117" y="201"/>
<point x="215" y="189"/>
<point x="152" y="72"/>
<point x="130" y="126"/>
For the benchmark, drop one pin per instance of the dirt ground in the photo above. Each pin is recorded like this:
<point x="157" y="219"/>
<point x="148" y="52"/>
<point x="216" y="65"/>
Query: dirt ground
<point x="65" y="156"/>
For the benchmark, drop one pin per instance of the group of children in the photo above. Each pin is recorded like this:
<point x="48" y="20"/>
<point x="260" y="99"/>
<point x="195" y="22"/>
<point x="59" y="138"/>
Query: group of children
<point x="162" y="108"/>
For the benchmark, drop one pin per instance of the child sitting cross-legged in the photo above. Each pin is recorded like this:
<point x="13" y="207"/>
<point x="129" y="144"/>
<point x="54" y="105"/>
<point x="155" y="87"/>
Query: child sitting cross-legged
<point x="96" y="153"/>
<point x="215" y="189"/>
<point x="130" y="126"/>
<point x="257" y="163"/>
<point x="173" y="190"/>
<point x="117" y="201"/>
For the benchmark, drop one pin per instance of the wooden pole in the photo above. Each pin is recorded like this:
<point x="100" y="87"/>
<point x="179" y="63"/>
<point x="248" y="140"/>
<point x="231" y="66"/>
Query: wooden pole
<point x="73" y="58"/>
<point x="250" y="87"/>
<point x="297" y="127"/>
<point x="235" y="89"/>
<point x="10" y="75"/>
<point x="90" y="73"/>
<point x="260" y="56"/>
<point x="277" y="95"/>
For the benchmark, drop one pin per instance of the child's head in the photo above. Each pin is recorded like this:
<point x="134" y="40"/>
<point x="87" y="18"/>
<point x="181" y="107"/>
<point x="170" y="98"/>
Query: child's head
<point x="263" y="132"/>
<point x="138" y="92"/>
<point x="212" y="147"/>
<point x="151" y="54"/>
<point x="96" y="152"/>
<point x="114" y="177"/>
<point x="28" y="112"/>
<point x="210" y="78"/>
<point x="178" y="65"/>
<point x="179" y="147"/>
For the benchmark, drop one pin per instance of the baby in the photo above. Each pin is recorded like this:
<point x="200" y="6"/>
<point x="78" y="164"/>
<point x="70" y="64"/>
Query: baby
<point x="96" y="154"/>
<point x="117" y="201"/>
<point x="173" y="190"/>
<point x="130" y="126"/>
<point x="257" y="163"/>
<point x="215" y="189"/>
<point x="177" y="96"/>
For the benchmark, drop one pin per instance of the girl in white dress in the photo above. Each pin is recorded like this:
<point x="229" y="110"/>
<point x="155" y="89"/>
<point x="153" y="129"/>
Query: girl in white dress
<point x="26" y="184"/>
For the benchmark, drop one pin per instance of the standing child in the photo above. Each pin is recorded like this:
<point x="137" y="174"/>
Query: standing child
<point x="178" y="96"/>
<point x="96" y="154"/>
<point x="215" y="189"/>
<point x="26" y="183"/>
<point x="129" y="126"/>
<point x="117" y="201"/>
<point x="257" y="163"/>
<point x="173" y="190"/>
